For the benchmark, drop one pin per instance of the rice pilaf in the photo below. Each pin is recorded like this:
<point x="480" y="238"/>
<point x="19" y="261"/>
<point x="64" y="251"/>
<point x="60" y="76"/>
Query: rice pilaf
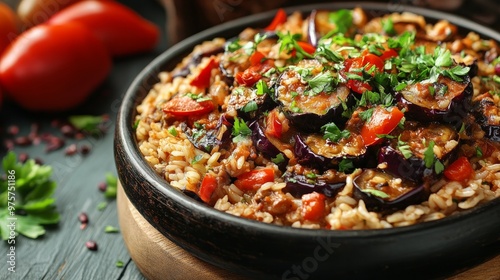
<point x="237" y="123"/>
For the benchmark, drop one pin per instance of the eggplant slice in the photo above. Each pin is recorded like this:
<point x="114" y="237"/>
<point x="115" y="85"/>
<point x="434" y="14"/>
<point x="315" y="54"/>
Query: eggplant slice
<point x="381" y="191"/>
<point x="487" y="114"/>
<point x="298" y="185"/>
<point x="314" y="151"/>
<point x="413" y="141"/>
<point x="445" y="101"/>
<point x="310" y="96"/>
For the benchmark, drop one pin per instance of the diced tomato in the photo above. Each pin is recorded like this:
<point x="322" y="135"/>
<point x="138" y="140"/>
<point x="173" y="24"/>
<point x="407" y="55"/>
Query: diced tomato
<point x="253" y="179"/>
<point x="308" y="48"/>
<point x="355" y="65"/>
<point x="382" y="121"/>
<point x="252" y="74"/>
<point x="257" y="58"/>
<point x="186" y="106"/>
<point x="274" y="127"/>
<point x="207" y="187"/>
<point x="370" y="60"/>
<point x="459" y="170"/>
<point x="203" y="78"/>
<point x="278" y="19"/>
<point x="358" y="86"/>
<point x="313" y="206"/>
<point x="388" y="53"/>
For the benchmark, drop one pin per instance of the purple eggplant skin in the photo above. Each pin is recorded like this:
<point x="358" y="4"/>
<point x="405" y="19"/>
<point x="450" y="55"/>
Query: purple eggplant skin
<point x="238" y="102"/>
<point x="309" y="120"/>
<point x="298" y="185"/>
<point x="458" y="108"/>
<point x="305" y="156"/>
<point x="486" y="114"/>
<point x="263" y="145"/>
<point x="415" y="194"/>
<point x="412" y="168"/>
<point x="207" y="140"/>
<point x="312" y="34"/>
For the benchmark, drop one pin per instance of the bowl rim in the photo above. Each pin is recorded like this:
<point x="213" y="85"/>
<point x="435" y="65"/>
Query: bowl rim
<point x="126" y="135"/>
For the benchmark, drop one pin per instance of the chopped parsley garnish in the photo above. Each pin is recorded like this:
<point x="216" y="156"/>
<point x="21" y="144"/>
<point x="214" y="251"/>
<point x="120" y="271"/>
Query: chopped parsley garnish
<point x="377" y="193"/>
<point x="404" y="148"/>
<point x="27" y="196"/>
<point x="197" y="159"/>
<point x="251" y="106"/>
<point x="388" y="27"/>
<point x="323" y="82"/>
<point x="431" y="161"/>
<point x="262" y="88"/>
<point x="278" y="159"/>
<point x="342" y="19"/>
<point x="367" y="114"/>
<point x="346" y="165"/>
<point x="311" y="175"/>
<point x="429" y="155"/>
<point x="333" y="133"/>
<point x="172" y="130"/>
<point x="198" y="97"/>
<point x="479" y="152"/>
<point x="240" y="130"/>
<point x="289" y="43"/>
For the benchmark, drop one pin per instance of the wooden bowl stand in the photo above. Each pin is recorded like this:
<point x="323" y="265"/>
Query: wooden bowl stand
<point x="159" y="258"/>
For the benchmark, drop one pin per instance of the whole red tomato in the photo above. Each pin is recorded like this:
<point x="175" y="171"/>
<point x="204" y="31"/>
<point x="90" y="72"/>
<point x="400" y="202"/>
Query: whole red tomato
<point x="122" y="30"/>
<point x="8" y="26"/>
<point x="53" y="67"/>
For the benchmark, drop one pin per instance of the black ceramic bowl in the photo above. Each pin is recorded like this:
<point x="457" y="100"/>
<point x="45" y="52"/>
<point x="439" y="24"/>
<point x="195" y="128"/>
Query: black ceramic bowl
<point x="258" y="250"/>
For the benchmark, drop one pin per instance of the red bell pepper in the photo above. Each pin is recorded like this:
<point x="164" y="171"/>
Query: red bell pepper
<point x="203" y="78"/>
<point x="382" y="121"/>
<point x="186" y="106"/>
<point x="253" y="179"/>
<point x="459" y="170"/>
<point x="207" y="187"/>
<point x="313" y="206"/>
<point x="278" y="19"/>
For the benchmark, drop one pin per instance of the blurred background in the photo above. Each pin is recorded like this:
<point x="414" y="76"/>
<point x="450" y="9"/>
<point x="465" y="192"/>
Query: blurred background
<point x="186" y="17"/>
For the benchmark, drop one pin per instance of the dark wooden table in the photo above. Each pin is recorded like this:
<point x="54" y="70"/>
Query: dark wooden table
<point x="61" y="252"/>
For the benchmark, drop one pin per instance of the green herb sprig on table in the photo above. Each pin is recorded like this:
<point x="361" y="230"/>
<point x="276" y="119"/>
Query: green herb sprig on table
<point x="26" y="198"/>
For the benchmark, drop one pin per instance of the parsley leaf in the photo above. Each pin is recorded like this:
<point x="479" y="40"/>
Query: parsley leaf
<point x="240" y="129"/>
<point x="346" y="165"/>
<point x="111" y="185"/>
<point x="342" y="20"/>
<point x="374" y="192"/>
<point x="429" y="155"/>
<point x="333" y="133"/>
<point x="26" y="192"/>
<point x="323" y="82"/>
<point x="404" y="148"/>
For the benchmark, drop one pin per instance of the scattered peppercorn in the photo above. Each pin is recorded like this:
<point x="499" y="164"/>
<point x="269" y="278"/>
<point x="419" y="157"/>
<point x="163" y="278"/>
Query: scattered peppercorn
<point x="102" y="186"/>
<point x="22" y="141"/>
<point x="23" y="157"/>
<point x="83" y="218"/>
<point x="85" y="149"/>
<point x="71" y="150"/>
<point x="497" y="69"/>
<point x="91" y="245"/>
<point x="13" y="130"/>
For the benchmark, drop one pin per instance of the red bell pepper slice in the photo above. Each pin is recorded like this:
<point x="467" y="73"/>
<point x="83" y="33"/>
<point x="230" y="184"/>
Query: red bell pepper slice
<point x="256" y="58"/>
<point x="186" y="106"/>
<point x="313" y="206"/>
<point x="382" y="121"/>
<point x="253" y="179"/>
<point x="207" y="187"/>
<point x="459" y="170"/>
<point x="274" y="127"/>
<point x="278" y="19"/>
<point x="203" y="78"/>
